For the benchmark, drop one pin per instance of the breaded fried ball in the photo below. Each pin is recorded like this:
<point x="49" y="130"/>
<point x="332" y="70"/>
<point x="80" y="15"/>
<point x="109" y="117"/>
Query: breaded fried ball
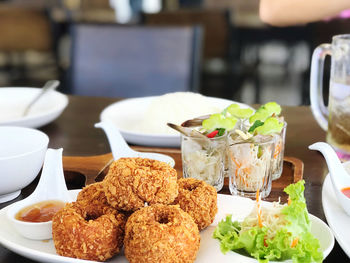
<point x="131" y="182"/>
<point x="199" y="199"/>
<point x="92" y="233"/>
<point x="161" y="233"/>
<point x="93" y="194"/>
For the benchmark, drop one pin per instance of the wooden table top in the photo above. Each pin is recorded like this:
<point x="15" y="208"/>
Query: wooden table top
<point x="74" y="131"/>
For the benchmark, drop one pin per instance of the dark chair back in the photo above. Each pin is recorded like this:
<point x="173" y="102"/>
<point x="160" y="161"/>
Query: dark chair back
<point x="215" y="24"/>
<point x="24" y="29"/>
<point x="133" y="61"/>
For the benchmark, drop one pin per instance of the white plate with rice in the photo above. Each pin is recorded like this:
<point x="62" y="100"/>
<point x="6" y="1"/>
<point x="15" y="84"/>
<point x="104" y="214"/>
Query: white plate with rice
<point x="142" y="121"/>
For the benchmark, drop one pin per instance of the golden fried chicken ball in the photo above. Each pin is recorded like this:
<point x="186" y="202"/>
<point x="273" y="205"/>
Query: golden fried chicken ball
<point x="161" y="233"/>
<point x="91" y="233"/>
<point x="132" y="182"/>
<point x="199" y="199"/>
<point x="93" y="194"/>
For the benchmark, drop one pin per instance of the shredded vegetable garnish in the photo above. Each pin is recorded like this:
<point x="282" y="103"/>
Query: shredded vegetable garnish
<point x="294" y="242"/>
<point x="212" y="134"/>
<point x="278" y="148"/>
<point x="244" y="135"/>
<point x="277" y="160"/>
<point x="258" y="208"/>
<point x="276" y="232"/>
<point x="204" y="162"/>
<point x="249" y="165"/>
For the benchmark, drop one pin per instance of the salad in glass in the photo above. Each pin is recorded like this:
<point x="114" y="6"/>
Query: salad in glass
<point x="205" y="157"/>
<point x="277" y="232"/>
<point x="251" y="152"/>
<point x="264" y="113"/>
<point x="250" y="164"/>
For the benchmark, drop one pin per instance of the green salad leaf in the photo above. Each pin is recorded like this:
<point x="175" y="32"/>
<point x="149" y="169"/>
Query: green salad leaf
<point x="255" y="125"/>
<point x="271" y="125"/>
<point x="265" y="121"/>
<point x="291" y="240"/>
<point x="219" y="121"/>
<point x="265" y="111"/>
<point x="238" y="112"/>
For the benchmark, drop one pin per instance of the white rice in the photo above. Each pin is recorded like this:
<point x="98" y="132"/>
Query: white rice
<point x="175" y="108"/>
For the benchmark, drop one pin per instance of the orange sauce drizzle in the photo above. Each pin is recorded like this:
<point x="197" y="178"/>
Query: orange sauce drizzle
<point x="346" y="191"/>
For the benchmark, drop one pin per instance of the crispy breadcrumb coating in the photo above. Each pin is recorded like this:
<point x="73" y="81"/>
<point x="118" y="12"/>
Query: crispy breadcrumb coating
<point x="132" y="182"/>
<point x="93" y="194"/>
<point x="199" y="199"/>
<point x="91" y="233"/>
<point x="161" y="233"/>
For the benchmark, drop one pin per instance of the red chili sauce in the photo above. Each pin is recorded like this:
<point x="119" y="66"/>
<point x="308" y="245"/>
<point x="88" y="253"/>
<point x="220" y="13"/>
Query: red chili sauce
<point x="39" y="212"/>
<point x="346" y="191"/>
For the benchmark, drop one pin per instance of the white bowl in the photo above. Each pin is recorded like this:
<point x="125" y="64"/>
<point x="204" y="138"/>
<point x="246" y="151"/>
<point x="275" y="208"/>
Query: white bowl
<point x="30" y="230"/>
<point x="14" y="100"/>
<point x="22" y="155"/>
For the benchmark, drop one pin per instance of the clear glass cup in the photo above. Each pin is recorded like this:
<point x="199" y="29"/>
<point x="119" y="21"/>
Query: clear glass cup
<point x="242" y="125"/>
<point x="250" y="167"/>
<point x="204" y="159"/>
<point x="277" y="160"/>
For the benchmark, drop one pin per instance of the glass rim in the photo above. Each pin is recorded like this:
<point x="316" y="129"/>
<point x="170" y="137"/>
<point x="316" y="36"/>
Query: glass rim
<point x="211" y="139"/>
<point x="341" y="37"/>
<point x="270" y="141"/>
<point x="284" y="128"/>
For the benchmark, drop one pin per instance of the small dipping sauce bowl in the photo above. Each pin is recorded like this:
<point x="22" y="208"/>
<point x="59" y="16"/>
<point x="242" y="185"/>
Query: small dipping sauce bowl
<point x="22" y="153"/>
<point x="51" y="187"/>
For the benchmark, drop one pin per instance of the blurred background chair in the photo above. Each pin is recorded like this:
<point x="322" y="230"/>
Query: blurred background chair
<point x="215" y="24"/>
<point x="133" y="61"/>
<point x="26" y="46"/>
<point x="217" y="68"/>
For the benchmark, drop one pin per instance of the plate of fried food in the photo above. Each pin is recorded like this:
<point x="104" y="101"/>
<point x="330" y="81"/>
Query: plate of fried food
<point x="141" y="212"/>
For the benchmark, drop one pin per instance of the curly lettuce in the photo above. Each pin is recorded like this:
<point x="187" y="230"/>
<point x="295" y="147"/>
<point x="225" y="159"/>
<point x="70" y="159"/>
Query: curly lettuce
<point x="291" y="240"/>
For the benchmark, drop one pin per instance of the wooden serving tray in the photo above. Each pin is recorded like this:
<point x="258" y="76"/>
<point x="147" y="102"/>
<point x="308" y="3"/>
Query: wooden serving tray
<point x="83" y="170"/>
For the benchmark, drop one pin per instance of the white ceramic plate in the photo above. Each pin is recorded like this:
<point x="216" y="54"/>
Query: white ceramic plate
<point x="14" y="100"/>
<point x="337" y="219"/>
<point x="126" y="113"/>
<point x="209" y="249"/>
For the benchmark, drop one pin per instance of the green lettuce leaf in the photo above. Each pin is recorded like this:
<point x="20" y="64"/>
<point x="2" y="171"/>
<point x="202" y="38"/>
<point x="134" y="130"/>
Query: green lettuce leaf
<point x="238" y="112"/>
<point x="219" y="121"/>
<point x="267" y="110"/>
<point x="255" y="125"/>
<point x="292" y="240"/>
<point x="271" y="125"/>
